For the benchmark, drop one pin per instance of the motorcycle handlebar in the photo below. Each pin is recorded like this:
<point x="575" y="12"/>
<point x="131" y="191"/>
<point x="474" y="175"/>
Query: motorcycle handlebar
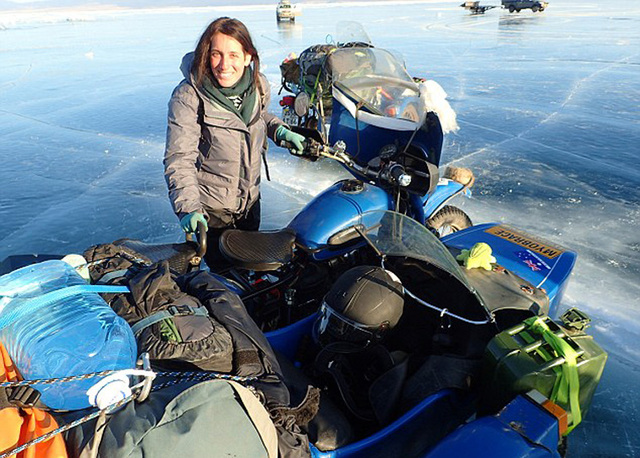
<point x="392" y="173"/>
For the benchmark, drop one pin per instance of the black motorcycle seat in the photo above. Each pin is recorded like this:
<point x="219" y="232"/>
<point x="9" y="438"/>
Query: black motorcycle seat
<point x="258" y="250"/>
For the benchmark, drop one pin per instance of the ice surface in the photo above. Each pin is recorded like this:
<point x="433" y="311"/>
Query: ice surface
<point x="547" y="104"/>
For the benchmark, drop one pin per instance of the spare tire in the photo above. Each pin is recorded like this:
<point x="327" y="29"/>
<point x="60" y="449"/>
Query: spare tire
<point x="447" y="220"/>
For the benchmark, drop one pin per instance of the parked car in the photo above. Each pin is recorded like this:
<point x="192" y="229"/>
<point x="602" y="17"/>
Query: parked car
<point x="517" y="5"/>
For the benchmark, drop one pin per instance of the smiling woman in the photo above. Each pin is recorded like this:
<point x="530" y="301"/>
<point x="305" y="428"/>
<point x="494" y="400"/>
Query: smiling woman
<point x="217" y="132"/>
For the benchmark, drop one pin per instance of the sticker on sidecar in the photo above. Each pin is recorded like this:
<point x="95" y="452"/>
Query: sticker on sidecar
<point x="532" y="261"/>
<point x="535" y="246"/>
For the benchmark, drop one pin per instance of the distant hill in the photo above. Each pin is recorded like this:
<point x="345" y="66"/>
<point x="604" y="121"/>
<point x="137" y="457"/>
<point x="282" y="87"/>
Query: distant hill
<point x="42" y="4"/>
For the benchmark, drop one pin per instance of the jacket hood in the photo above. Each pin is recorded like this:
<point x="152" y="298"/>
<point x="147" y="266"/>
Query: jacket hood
<point x="185" y="67"/>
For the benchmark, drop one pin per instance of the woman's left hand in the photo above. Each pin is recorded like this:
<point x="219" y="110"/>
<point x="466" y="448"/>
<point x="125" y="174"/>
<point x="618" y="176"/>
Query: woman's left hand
<point x="189" y="223"/>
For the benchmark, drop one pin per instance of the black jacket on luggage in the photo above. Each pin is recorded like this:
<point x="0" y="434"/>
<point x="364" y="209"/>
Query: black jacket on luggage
<point x="253" y="356"/>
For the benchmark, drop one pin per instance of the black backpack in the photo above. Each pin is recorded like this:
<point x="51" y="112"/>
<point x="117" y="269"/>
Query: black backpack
<point x="223" y="337"/>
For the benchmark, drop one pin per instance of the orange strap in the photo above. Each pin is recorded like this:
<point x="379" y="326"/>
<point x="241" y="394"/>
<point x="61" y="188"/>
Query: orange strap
<point x="20" y="425"/>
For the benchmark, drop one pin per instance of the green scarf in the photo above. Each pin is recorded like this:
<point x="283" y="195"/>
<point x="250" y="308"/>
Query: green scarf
<point x="244" y="88"/>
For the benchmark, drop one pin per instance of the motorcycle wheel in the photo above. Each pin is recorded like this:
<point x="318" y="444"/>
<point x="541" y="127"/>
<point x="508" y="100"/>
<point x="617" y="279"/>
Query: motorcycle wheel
<point x="447" y="220"/>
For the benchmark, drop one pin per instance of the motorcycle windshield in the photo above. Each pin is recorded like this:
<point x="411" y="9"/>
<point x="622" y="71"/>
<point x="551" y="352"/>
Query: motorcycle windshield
<point x="394" y="234"/>
<point x="351" y="33"/>
<point x="376" y="80"/>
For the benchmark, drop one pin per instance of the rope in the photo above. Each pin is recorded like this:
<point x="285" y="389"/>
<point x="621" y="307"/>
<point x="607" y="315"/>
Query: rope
<point x="179" y="377"/>
<point x="447" y="312"/>
<point x="188" y="376"/>
<point x="51" y="381"/>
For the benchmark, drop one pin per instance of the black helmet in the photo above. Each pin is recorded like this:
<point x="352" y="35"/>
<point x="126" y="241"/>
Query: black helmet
<point x="362" y="305"/>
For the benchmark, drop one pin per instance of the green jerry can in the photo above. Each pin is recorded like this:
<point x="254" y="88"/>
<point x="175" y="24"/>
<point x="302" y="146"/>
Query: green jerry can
<point x="522" y="358"/>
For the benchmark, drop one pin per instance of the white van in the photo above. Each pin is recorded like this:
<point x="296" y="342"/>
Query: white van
<point x="285" y="10"/>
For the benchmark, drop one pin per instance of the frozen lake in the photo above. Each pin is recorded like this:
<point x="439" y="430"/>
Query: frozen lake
<point x="548" y="105"/>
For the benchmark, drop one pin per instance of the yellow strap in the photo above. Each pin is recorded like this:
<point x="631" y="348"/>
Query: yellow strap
<point x="544" y="354"/>
<point x="567" y="390"/>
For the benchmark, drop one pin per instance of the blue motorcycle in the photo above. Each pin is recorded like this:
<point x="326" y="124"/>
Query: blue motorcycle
<point x="391" y="134"/>
<point x="387" y="216"/>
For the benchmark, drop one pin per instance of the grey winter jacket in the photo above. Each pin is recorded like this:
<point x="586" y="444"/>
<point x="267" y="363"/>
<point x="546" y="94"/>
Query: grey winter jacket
<point x="212" y="158"/>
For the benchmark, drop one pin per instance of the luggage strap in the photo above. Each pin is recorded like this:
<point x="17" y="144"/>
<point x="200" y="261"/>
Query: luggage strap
<point x="566" y="389"/>
<point x="31" y="305"/>
<point x="174" y="310"/>
<point x="111" y="275"/>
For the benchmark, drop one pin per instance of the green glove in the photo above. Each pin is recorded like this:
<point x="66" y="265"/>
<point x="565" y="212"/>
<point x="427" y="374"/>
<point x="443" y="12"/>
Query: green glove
<point x="296" y="140"/>
<point x="189" y="223"/>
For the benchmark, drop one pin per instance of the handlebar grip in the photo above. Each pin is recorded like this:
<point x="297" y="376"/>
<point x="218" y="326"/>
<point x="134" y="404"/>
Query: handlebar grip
<point x="399" y="176"/>
<point x="310" y="152"/>
<point x="292" y="149"/>
<point x="286" y="144"/>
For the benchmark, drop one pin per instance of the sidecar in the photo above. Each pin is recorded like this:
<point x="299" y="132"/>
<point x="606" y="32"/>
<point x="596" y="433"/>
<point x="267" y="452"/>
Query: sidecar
<point x="542" y="263"/>
<point x="477" y="323"/>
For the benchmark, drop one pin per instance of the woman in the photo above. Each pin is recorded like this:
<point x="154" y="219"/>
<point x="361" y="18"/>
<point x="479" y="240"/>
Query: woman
<point x="217" y="133"/>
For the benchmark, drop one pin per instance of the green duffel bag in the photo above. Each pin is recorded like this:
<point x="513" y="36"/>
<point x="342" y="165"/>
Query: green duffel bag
<point x="215" y="418"/>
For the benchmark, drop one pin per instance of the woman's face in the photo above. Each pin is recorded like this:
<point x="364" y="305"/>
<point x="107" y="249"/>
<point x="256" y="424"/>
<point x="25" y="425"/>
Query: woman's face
<point x="228" y="60"/>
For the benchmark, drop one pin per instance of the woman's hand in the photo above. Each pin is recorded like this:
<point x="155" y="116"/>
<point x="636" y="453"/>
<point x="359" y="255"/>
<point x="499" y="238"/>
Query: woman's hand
<point x="295" y="141"/>
<point x="189" y="223"/>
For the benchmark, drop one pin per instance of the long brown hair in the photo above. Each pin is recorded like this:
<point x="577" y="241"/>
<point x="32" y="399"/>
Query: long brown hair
<point x="230" y="27"/>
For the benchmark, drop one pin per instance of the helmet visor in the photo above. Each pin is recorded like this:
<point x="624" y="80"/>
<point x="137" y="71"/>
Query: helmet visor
<point x="331" y="326"/>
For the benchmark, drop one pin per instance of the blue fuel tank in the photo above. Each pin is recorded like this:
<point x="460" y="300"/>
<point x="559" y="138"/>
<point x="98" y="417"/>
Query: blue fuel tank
<point x="336" y="208"/>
